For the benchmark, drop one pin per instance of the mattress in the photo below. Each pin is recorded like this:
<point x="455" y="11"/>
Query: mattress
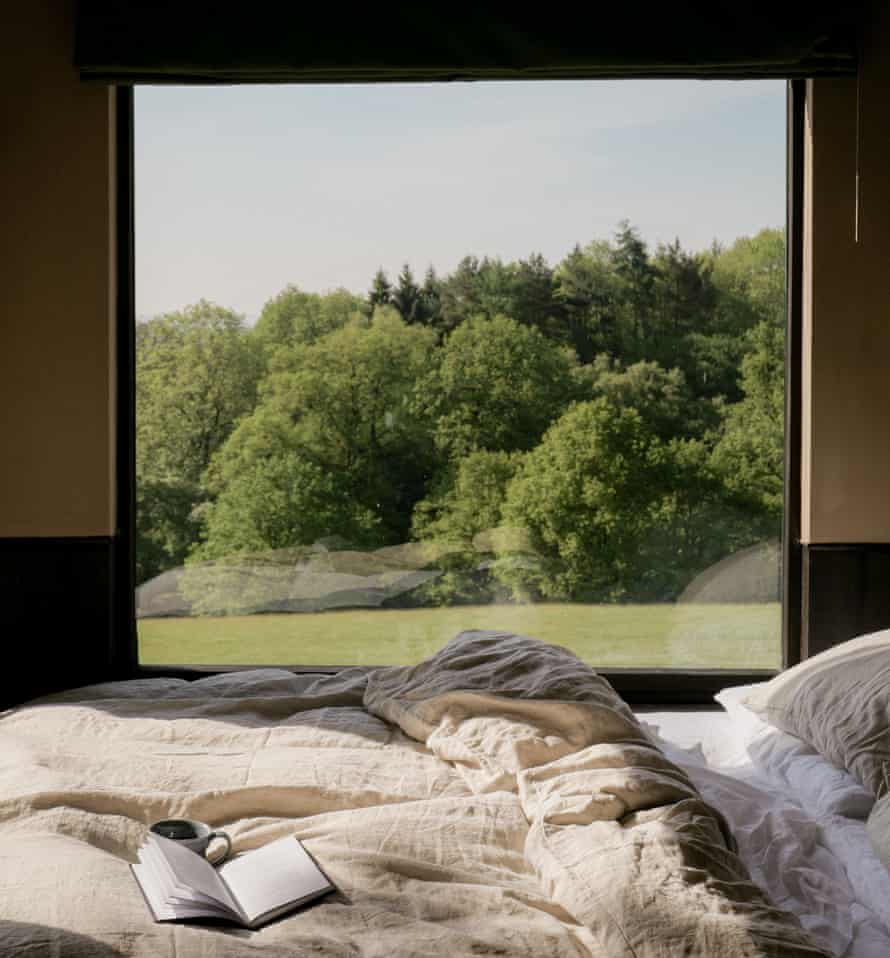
<point x="819" y="866"/>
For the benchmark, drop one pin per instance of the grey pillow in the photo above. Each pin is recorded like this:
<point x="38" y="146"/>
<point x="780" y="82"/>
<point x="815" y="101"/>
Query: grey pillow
<point x="839" y="703"/>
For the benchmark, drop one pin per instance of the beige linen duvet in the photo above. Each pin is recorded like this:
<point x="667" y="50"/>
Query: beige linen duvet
<point x="498" y="799"/>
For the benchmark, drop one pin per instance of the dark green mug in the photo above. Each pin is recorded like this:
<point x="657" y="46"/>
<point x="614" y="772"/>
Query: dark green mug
<point x="195" y="836"/>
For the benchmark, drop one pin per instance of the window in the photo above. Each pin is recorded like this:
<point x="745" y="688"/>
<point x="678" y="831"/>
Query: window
<point x="412" y="359"/>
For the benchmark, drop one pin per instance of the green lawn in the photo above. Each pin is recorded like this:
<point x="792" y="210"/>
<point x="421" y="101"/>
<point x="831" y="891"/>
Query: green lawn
<point x="679" y="636"/>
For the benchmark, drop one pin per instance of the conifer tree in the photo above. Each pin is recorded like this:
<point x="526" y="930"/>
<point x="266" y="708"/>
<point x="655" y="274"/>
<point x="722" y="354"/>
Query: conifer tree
<point x="381" y="290"/>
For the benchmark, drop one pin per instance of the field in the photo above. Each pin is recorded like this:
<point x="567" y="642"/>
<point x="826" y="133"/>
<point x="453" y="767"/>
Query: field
<point x="654" y="636"/>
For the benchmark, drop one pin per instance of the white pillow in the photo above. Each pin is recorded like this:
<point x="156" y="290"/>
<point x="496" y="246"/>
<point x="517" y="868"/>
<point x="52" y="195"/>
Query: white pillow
<point x="809" y="779"/>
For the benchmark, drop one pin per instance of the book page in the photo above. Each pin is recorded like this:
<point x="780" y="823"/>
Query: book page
<point x="161" y="908"/>
<point x="196" y="880"/>
<point x="273" y="876"/>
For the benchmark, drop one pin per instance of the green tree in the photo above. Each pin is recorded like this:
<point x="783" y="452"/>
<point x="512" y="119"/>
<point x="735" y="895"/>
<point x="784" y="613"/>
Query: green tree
<point x="750" y="280"/>
<point x="167" y="523"/>
<point x="608" y="511"/>
<point x="636" y="294"/>
<point x="534" y="301"/>
<point x="659" y="395"/>
<point x="381" y="290"/>
<point x="587" y="292"/>
<point x="280" y="502"/>
<point x="344" y="404"/>
<point x="406" y="297"/>
<point x="584" y="498"/>
<point x="750" y="453"/>
<point x="498" y="386"/>
<point x="459" y="295"/>
<point x="472" y="503"/>
<point x="431" y="300"/>
<point x="293" y="317"/>
<point x="196" y="376"/>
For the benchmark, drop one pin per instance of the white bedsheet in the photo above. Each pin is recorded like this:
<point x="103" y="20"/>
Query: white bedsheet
<point x="821" y="867"/>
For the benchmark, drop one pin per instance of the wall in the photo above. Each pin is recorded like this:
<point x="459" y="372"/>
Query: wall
<point x="56" y="343"/>
<point x="849" y="322"/>
<point x="57" y="509"/>
<point x="845" y="521"/>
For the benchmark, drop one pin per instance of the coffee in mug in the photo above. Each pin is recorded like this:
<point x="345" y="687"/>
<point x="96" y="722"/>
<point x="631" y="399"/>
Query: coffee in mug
<point x="195" y="836"/>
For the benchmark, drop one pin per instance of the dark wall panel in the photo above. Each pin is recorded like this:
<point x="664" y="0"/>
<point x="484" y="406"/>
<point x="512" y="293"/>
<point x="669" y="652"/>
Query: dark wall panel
<point x="55" y="615"/>
<point x="846" y="592"/>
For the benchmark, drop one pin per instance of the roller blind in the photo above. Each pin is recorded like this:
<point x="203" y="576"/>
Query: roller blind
<point x="132" y="41"/>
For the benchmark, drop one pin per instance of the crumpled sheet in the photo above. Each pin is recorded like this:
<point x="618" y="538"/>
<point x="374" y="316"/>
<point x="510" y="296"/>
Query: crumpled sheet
<point x="818" y="866"/>
<point x="497" y="799"/>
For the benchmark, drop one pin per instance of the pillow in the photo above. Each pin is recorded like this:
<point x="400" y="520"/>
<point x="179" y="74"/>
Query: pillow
<point x="839" y="703"/>
<point x="819" y="787"/>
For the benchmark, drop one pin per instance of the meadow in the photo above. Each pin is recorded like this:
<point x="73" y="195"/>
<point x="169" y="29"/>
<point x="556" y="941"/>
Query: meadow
<point x="708" y="636"/>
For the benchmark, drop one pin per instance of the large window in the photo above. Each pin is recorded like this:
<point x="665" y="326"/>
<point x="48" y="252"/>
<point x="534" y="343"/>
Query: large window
<point x="419" y="358"/>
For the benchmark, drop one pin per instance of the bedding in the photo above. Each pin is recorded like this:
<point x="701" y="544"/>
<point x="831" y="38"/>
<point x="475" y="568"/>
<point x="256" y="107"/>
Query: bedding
<point x="792" y="764"/>
<point x="878" y="830"/>
<point x="819" y="866"/>
<point x="498" y="799"/>
<point x="839" y="703"/>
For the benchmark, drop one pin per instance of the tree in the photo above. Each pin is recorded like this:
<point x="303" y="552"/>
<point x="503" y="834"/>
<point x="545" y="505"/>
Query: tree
<point x="750" y="280"/>
<point x="534" y="301"/>
<point x="459" y="295"/>
<point x="587" y="291"/>
<point x="406" y="297"/>
<point x="462" y="521"/>
<point x="636" y="292"/>
<point x="294" y="317"/>
<point x="584" y="499"/>
<point x="683" y="320"/>
<point x="659" y="395"/>
<point x="167" y="523"/>
<point x="750" y="453"/>
<point x="498" y="386"/>
<point x="280" y="502"/>
<point x="608" y="511"/>
<point x="431" y="300"/>
<point x="472" y="502"/>
<point x="381" y="290"/>
<point x="344" y="404"/>
<point x="196" y="376"/>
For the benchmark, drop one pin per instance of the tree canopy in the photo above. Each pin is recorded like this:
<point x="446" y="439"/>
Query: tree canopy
<point x="601" y="428"/>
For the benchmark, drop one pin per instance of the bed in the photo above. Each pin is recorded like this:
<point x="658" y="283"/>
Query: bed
<point x="498" y="799"/>
<point x="798" y="824"/>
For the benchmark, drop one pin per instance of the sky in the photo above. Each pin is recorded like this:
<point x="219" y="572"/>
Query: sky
<point x="241" y="190"/>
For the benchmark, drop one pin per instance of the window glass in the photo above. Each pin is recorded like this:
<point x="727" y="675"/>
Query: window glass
<point x="418" y="358"/>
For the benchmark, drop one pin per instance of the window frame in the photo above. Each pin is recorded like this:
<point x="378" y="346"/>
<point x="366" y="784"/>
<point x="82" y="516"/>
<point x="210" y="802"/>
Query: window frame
<point x="637" y="686"/>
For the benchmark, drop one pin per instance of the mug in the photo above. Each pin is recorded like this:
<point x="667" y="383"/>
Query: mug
<point x="195" y="836"/>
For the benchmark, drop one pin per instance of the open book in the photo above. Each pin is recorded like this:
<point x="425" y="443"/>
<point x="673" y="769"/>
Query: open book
<point x="251" y="889"/>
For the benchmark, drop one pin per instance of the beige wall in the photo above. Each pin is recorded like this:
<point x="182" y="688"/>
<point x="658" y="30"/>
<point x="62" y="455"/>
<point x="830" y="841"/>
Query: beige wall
<point x="846" y="428"/>
<point x="56" y="437"/>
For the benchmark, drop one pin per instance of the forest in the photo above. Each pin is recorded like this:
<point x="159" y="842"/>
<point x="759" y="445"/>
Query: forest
<point x="598" y="430"/>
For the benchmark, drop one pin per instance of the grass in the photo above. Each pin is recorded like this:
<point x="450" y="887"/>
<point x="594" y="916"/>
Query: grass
<point x="649" y="636"/>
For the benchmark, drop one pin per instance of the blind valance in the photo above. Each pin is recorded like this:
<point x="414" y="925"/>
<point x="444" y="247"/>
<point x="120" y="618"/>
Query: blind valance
<point x="204" y="42"/>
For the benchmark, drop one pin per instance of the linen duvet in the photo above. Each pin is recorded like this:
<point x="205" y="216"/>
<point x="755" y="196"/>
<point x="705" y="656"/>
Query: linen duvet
<point x="498" y="799"/>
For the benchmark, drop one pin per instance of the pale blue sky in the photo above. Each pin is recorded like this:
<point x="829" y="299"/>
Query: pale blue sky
<point x="242" y="190"/>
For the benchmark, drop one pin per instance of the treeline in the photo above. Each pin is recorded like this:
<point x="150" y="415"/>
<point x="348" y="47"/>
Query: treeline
<point x="600" y="430"/>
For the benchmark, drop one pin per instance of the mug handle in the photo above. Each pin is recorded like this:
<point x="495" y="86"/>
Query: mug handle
<point x="220" y="859"/>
